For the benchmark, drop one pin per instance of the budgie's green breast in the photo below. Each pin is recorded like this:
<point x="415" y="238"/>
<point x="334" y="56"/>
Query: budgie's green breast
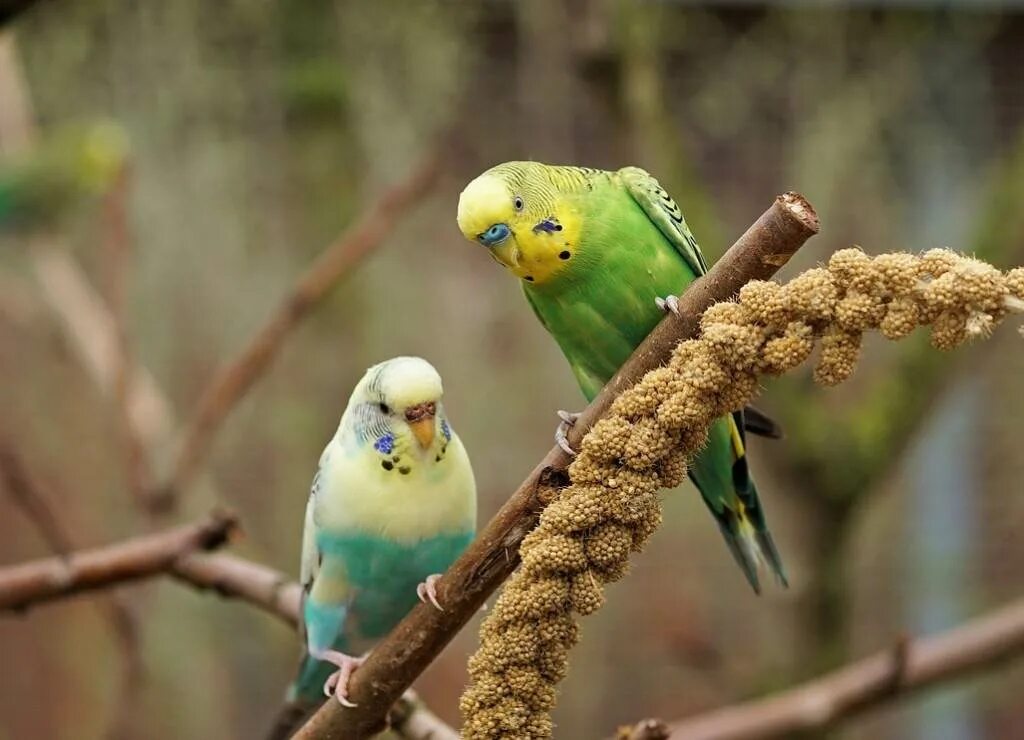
<point x="602" y="304"/>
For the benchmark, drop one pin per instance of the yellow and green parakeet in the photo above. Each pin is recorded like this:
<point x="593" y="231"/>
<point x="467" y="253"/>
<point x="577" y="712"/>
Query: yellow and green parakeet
<point x="392" y="505"/>
<point x="595" y="251"/>
<point x="66" y="168"/>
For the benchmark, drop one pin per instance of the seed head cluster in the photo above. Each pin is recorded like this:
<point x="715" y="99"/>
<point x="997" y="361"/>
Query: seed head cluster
<point x="611" y="508"/>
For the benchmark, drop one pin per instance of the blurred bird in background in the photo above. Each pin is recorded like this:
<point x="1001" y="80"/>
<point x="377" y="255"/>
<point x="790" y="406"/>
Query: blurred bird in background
<point x="600" y="256"/>
<point x="65" y="170"/>
<point x="392" y="505"/>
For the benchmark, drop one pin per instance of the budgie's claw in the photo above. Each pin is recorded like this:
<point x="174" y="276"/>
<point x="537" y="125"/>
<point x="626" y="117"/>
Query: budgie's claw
<point x="668" y="305"/>
<point x="337" y="682"/>
<point x="561" y="433"/>
<point x="428" y="590"/>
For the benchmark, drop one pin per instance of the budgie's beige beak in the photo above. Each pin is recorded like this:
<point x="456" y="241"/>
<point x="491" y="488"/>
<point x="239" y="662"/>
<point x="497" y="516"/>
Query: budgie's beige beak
<point x="421" y="420"/>
<point x="507" y="253"/>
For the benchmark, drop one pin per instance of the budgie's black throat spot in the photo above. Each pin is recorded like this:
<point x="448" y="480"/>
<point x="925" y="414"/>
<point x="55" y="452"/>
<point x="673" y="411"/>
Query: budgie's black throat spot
<point x="387" y="464"/>
<point x="529" y="278"/>
<point x="564" y="254"/>
<point x="405" y="470"/>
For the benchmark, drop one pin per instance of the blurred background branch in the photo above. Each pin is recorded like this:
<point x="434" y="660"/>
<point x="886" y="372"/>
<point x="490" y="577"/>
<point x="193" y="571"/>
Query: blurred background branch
<point x="229" y="385"/>
<point x="34" y="582"/>
<point x="983" y="643"/>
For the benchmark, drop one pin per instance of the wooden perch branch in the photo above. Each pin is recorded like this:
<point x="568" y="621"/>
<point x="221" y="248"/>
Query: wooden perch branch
<point x="396" y="662"/>
<point x="37" y="581"/>
<point x="235" y="380"/>
<point x="892" y="674"/>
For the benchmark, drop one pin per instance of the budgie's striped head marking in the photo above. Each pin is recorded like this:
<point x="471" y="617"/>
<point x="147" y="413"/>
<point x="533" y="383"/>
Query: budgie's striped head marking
<point x="396" y="408"/>
<point x="523" y="213"/>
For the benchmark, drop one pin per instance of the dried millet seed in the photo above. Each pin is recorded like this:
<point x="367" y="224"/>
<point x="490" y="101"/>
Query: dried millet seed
<point x="935" y="262"/>
<point x="584" y="537"/>
<point x="587" y="594"/>
<point x="853" y="268"/>
<point x="839" y="353"/>
<point x="1015" y="282"/>
<point x="557" y="553"/>
<point x="898" y="272"/>
<point x="859" y="312"/>
<point x="788" y="350"/>
<point x="764" y="301"/>
<point x="608" y="437"/>
<point x="609" y="544"/>
<point x="949" y="330"/>
<point x="902" y="317"/>
<point x="647" y="444"/>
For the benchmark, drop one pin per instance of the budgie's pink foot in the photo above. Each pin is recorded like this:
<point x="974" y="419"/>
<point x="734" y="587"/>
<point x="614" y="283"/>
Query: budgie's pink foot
<point x="568" y="418"/>
<point x="668" y="305"/>
<point x="337" y="682"/>
<point x="428" y="590"/>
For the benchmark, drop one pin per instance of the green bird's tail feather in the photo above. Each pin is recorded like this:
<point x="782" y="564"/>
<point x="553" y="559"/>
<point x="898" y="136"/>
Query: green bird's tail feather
<point x="723" y="477"/>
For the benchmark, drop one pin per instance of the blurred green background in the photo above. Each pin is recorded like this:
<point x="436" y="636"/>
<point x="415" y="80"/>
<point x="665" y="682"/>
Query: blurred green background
<point x="258" y="131"/>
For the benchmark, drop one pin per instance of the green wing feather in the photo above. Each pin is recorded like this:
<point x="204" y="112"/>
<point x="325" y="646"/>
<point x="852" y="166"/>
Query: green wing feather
<point x="720" y="472"/>
<point x="664" y="213"/>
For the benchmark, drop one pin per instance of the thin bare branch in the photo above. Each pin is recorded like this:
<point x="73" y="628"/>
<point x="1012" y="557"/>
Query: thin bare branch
<point x="89" y="325"/>
<point x="396" y="662"/>
<point x="117" y="255"/>
<point x="234" y="577"/>
<point x="411" y="719"/>
<point x="38" y="581"/>
<point x="645" y="729"/>
<point x="271" y="591"/>
<point x="27" y="493"/>
<point x="334" y="263"/>
<point x="892" y="674"/>
<point x="32" y="499"/>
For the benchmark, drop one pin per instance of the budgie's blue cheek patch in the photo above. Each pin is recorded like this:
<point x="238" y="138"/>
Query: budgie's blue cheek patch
<point x="549" y="225"/>
<point x="385" y="443"/>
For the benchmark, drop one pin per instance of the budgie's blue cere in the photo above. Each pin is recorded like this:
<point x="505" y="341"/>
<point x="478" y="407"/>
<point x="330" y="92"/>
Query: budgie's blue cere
<point x="392" y="505"/>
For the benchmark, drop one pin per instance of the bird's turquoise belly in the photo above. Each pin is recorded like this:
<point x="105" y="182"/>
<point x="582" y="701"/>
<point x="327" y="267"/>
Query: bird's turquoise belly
<point x="384" y="574"/>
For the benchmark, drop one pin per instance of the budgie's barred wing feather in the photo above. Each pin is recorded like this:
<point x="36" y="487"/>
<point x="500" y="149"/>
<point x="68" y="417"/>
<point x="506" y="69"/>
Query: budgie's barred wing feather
<point x="664" y="213"/>
<point x="310" y="560"/>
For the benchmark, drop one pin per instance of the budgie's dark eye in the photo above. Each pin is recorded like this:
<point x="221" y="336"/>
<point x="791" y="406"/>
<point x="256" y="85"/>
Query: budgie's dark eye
<point x="384" y="408"/>
<point x="495" y="234"/>
<point x="518" y="203"/>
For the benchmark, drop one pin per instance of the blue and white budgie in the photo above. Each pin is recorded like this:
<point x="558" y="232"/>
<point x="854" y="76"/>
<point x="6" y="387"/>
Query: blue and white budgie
<point x="392" y="505"/>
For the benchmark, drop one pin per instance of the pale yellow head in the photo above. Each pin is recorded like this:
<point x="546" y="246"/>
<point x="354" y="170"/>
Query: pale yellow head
<point x="398" y="400"/>
<point x="522" y="213"/>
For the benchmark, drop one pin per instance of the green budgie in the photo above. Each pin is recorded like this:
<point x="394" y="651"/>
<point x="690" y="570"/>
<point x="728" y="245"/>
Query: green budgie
<point x="392" y="505"/>
<point x="595" y="251"/>
<point x="66" y="168"/>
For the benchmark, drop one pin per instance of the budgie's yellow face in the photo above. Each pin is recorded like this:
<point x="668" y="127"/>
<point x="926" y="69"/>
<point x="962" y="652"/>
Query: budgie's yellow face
<point x="519" y="213"/>
<point x="397" y="409"/>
